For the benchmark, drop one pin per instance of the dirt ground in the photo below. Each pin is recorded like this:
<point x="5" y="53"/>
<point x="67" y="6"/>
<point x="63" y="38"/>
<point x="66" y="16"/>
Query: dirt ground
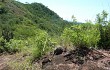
<point x="79" y="59"/>
<point x="4" y="59"/>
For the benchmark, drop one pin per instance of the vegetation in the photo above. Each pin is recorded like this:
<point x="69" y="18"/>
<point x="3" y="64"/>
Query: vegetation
<point x="104" y="25"/>
<point x="86" y="34"/>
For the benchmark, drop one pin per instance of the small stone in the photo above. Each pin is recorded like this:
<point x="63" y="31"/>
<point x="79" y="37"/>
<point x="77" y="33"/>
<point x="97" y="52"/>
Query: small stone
<point x="58" y="51"/>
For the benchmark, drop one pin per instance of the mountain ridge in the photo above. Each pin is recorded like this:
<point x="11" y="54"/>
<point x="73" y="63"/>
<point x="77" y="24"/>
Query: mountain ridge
<point x="13" y="13"/>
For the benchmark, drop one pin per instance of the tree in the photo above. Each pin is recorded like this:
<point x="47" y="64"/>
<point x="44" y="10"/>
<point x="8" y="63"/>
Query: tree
<point x="102" y="18"/>
<point x="7" y="34"/>
<point x="104" y="29"/>
<point x="6" y="0"/>
<point x="74" y="18"/>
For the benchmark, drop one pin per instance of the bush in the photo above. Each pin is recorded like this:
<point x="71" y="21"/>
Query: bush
<point x="15" y="46"/>
<point x="104" y="29"/>
<point x="41" y="44"/>
<point x="2" y="44"/>
<point x="23" y="32"/>
<point x="82" y="35"/>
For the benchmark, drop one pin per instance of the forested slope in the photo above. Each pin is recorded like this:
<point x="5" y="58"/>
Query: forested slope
<point x="14" y="14"/>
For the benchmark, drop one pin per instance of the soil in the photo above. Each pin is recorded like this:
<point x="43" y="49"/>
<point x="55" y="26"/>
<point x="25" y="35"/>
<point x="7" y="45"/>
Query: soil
<point x="4" y="59"/>
<point x="78" y="59"/>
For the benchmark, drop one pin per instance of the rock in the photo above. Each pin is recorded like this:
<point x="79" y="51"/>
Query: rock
<point x="46" y="61"/>
<point x="58" y="51"/>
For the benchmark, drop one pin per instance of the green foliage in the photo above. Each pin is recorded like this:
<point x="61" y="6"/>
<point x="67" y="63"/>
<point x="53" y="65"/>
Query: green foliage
<point x="24" y="31"/>
<point x="82" y="35"/>
<point x="102" y="18"/>
<point x="2" y="44"/>
<point x="42" y="44"/>
<point x="3" y="10"/>
<point x="23" y="18"/>
<point x="103" y="25"/>
<point x="74" y="18"/>
<point x="15" y="46"/>
<point x="5" y="1"/>
<point x="7" y="34"/>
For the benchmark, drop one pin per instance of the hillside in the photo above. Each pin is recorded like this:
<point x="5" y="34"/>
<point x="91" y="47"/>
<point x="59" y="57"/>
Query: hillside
<point x="14" y="14"/>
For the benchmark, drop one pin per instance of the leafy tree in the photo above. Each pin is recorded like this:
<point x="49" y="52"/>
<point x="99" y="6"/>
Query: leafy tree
<point x="7" y="34"/>
<point x="103" y="26"/>
<point x="6" y="0"/>
<point x="14" y="46"/>
<point x="2" y="45"/>
<point x="74" y="18"/>
<point x="102" y="18"/>
<point x="41" y="44"/>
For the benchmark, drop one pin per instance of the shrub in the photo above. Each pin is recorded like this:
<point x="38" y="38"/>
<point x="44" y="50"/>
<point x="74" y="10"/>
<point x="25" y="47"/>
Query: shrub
<point x="82" y="35"/>
<point x="104" y="29"/>
<point x="24" y="31"/>
<point x="41" y="44"/>
<point x="15" y="46"/>
<point x="2" y="44"/>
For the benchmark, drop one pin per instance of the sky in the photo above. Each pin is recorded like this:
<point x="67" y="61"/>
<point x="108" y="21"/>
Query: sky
<point x="83" y="10"/>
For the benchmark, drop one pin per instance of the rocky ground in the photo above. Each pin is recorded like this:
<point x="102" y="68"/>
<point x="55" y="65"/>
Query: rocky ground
<point x="78" y="59"/>
<point x="4" y="59"/>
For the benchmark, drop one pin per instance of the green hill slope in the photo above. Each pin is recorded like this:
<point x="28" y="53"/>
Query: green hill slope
<point x="23" y="19"/>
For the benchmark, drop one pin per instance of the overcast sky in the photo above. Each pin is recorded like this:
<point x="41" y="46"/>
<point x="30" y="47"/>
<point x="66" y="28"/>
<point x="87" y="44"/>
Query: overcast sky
<point x="81" y="9"/>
